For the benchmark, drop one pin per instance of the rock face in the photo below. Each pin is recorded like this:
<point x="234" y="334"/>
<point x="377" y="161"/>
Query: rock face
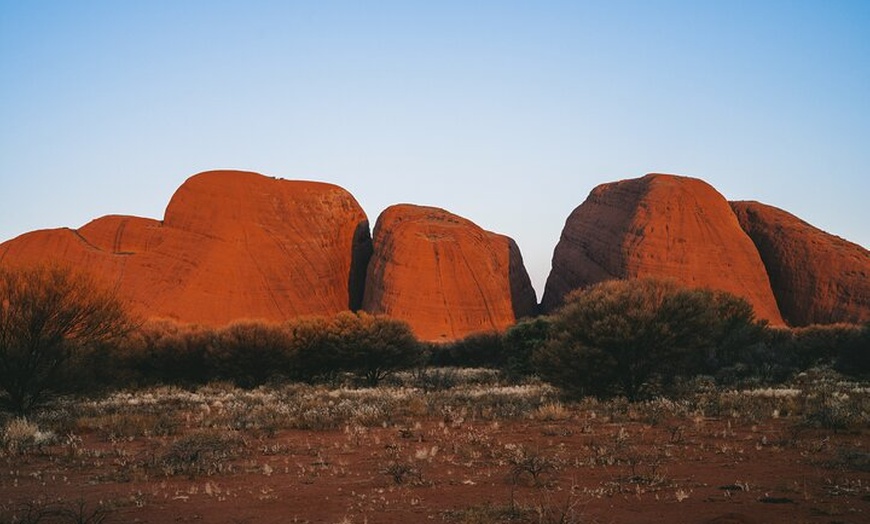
<point x="444" y="275"/>
<point x="817" y="278"/>
<point x="232" y="245"/>
<point x="659" y="226"/>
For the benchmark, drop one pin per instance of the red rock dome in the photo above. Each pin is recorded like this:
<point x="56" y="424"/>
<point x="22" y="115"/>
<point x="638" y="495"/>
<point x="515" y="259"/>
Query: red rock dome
<point x="818" y="278"/>
<point x="659" y="226"/>
<point x="232" y="245"/>
<point x="445" y="275"/>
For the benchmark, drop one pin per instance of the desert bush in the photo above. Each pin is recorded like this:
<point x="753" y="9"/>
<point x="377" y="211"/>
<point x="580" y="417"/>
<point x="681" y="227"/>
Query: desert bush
<point x="635" y="337"/>
<point x="166" y="352"/>
<point x="823" y="344"/>
<point x="435" y="379"/>
<point x="201" y="453"/>
<point x="49" y="316"/>
<point x="854" y="358"/>
<point x="552" y="411"/>
<point x="520" y="343"/>
<point x="371" y="347"/>
<point x="77" y="512"/>
<point x="769" y="360"/>
<point x="20" y="434"/>
<point x="830" y="402"/>
<point x="311" y="356"/>
<point x="401" y="472"/>
<point x="250" y="354"/>
<point x="492" y="402"/>
<point x="130" y="425"/>
<point x="531" y="465"/>
<point x="474" y="351"/>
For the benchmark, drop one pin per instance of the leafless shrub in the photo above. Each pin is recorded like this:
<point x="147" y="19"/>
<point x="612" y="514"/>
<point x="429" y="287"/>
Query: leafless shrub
<point x="531" y="465"/>
<point x="76" y="512"/>
<point x="402" y="472"/>
<point x="201" y="453"/>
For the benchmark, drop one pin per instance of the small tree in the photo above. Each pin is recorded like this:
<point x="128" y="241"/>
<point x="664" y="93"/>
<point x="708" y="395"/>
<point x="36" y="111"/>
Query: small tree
<point x="629" y="337"/>
<point x="47" y="316"/>
<point x="371" y="346"/>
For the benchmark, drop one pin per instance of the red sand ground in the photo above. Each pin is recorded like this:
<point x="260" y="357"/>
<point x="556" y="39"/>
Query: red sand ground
<point x="703" y="470"/>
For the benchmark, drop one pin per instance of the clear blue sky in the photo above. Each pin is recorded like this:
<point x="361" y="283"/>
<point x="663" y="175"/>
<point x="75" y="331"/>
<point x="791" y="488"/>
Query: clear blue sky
<point x="507" y="113"/>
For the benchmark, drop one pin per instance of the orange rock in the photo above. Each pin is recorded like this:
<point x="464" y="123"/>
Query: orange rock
<point x="444" y="275"/>
<point x="659" y="226"/>
<point x="232" y="245"/>
<point x="818" y="278"/>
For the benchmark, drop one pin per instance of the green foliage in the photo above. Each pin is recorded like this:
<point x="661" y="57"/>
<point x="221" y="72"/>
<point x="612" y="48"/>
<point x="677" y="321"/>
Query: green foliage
<point x="49" y="317"/>
<point x="520" y="343"/>
<point x="636" y="337"/>
<point x="250" y="354"/>
<point x="845" y="347"/>
<point x="854" y="356"/>
<point x="169" y="353"/>
<point x="309" y="349"/>
<point x="485" y="349"/>
<point x="372" y="347"/>
<point x="823" y="344"/>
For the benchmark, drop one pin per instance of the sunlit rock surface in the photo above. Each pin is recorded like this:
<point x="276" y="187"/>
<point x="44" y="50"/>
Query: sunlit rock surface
<point x="662" y="226"/>
<point x="232" y="245"/>
<point x="818" y="278"/>
<point x="445" y="275"/>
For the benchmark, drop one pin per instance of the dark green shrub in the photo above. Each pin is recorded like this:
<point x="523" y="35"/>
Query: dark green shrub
<point x="854" y="357"/>
<point x="484" y="349"/>
<point x="821" y="345"/>
<point x="520" y="343"/>
<point x="250" y="354"/>
<point x="636" y="337"/>
<point x="165" y="352"/>
<point x="372" y="347"/>
<point x="312" y="357"/>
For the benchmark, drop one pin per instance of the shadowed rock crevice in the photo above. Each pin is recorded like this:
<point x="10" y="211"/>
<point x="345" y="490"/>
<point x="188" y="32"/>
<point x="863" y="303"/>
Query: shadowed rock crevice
<point x="360" y="256"/>
<point x="523" y="296"/>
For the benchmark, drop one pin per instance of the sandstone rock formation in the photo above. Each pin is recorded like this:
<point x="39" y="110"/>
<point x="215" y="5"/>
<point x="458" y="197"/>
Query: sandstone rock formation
<point x="232" y="245"/>
<point x="445" y="275"/>
<point x="661" y="226"/>
<point x="818" y="278"/>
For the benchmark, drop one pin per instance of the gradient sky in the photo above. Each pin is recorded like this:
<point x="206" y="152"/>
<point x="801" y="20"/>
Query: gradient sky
<point x="507" y="113"/>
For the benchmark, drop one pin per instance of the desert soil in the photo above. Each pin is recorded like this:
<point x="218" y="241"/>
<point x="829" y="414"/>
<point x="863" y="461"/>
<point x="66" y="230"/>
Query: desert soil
<point x="583" y="468"/>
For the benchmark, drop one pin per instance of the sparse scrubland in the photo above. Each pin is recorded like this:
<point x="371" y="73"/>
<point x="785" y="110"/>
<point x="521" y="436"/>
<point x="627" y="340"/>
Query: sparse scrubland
<point x="636" y="402"/>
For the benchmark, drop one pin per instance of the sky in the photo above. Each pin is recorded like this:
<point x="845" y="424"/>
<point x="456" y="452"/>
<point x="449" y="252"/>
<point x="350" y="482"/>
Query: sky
<point x="506" y="112"/>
